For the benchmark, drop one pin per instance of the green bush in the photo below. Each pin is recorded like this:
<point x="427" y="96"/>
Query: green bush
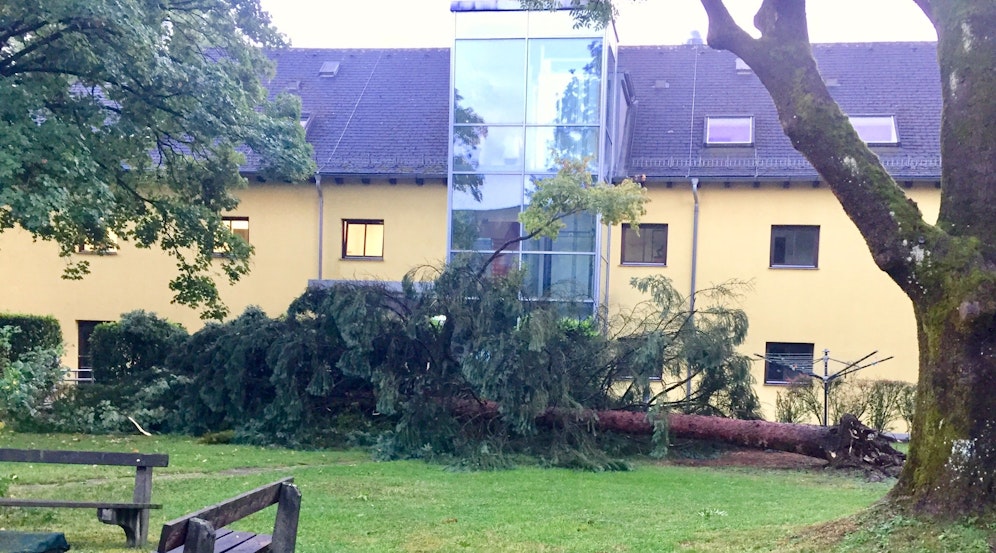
<point x="35" y="331"/>
<point x="273" y="381"/>
<point x="877" y="403"/>
<point x="130" y="378"/>
<point x="28" y="381"/>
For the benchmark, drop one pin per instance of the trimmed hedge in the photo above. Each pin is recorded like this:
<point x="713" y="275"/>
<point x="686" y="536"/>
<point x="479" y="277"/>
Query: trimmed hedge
<point x="36" y="331"/>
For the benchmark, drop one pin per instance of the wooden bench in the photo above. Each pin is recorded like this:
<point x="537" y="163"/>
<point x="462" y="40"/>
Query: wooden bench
<point x="132" y="516"/>
<point x="204" y="532"/>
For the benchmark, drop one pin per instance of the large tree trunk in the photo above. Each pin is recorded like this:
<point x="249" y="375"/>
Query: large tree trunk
<point x="850" y="444"/>
<point x="947" y="270"/>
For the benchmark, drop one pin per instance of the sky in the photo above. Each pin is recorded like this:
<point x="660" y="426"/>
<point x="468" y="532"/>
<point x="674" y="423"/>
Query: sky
<point x="423" y="23"/>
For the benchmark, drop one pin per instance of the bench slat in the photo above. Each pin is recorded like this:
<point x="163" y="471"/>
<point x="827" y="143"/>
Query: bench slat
<point x="12" y="502"/>
<point x="255" y="544"/>
<point x="227" y="541"/>
<point x="224" y="513"/>
<point x="84" y="457"/>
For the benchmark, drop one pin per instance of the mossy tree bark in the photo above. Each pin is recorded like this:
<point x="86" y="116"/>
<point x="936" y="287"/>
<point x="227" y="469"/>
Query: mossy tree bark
<point x="948" y="270"/>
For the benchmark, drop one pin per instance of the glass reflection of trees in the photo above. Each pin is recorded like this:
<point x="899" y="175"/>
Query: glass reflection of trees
<point x="519" y="106"/>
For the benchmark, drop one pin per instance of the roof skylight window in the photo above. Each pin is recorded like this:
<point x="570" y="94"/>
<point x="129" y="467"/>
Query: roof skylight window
<point x="876" y="129"/>
<point x="729" y="131"/>
<point x="329" y="69"/>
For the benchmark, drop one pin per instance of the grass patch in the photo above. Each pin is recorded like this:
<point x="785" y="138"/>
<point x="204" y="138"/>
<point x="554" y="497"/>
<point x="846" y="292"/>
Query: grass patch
<point x="353" y="504"/>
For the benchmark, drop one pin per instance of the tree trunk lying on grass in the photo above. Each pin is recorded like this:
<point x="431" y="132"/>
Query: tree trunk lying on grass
<point x="850" y="444"/>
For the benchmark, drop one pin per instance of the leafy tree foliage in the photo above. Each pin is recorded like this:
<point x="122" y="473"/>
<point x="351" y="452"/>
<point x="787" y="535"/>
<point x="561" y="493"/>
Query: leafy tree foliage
<point x="679" y="359"/>
<point x="126" y="120"/>
<point x="446" y="345"/>
<point x="228" y="377"/>
<point x="28" y="380"/>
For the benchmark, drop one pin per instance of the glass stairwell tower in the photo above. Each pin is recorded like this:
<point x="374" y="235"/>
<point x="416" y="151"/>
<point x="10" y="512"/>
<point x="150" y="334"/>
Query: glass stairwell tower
<point x="528" y="88"/>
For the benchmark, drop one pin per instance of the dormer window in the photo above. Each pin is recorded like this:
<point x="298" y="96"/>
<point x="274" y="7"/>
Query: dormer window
<point x="729" y="131"/>
<point x="876" y="130"/>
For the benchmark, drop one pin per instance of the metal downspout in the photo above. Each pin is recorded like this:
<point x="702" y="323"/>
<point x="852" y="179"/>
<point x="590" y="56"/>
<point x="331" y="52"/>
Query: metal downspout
<point x="321" y="221"/>
<point x="695" y="266"/>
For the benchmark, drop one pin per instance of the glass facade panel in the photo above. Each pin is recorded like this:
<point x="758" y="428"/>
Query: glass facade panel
<point x="489" y="79"/>
<point x="520" y="104"/>
<point x="578" y="235"/>
<point x="488" y="149"/>
<point x="544" y="145"/>
<point x="564" y="81"/>
<point x="506" y="24"/>
<point x="502" y="265"/>
<point x="485" y="211"/>
<point x="559" y="276"/>
<point x="551" y="24"/>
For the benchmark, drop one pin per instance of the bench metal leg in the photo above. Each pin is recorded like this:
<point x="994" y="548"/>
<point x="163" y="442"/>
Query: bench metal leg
<point x="131" y="521"/>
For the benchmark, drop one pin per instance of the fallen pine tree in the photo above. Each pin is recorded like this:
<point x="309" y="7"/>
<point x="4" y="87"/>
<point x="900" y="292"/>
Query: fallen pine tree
<point x="849" y="444"/>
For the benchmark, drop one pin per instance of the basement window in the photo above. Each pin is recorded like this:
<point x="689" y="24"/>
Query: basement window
<point x="729" y="131"/>
<point x="876" y="129"/>
<point x="786" y="362"/>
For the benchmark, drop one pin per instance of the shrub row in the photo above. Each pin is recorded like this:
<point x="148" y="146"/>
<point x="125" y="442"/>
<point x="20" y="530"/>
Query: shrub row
<point x="34" y="331"/>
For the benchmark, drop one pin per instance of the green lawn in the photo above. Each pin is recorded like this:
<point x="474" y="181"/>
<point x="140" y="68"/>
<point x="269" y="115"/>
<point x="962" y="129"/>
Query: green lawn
<point x="353" y="504"/>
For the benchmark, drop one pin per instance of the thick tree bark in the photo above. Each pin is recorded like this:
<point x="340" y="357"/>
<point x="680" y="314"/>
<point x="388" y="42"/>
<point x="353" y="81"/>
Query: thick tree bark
<point x="947" y="270"/>
<point x="850" y="444"/>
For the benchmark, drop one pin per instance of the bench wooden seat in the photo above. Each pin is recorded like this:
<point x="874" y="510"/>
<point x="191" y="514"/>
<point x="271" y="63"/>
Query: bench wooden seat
<point x="132" y="516"/>
<point x="204" y="531"/>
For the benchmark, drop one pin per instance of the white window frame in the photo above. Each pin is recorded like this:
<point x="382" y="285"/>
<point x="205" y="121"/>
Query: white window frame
<point x="880" y="122"/>
<point x="711" y="140"/>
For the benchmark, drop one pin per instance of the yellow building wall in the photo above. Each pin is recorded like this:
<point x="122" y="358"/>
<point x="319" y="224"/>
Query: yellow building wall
<point x="283" y="229"/>
<point x="846" y="305"/>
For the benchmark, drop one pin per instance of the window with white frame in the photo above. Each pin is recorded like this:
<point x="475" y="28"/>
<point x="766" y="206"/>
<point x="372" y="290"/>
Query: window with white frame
<point x="876" y="129"/>
<point x="362" y="238"/>
<point x="795" y="246"/>
<point x="729" y="130"/>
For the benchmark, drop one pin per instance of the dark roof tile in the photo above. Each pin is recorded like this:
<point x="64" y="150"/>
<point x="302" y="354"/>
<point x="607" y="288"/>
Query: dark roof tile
<point x="898" y="79"/>
<point x="385" y="112"/>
